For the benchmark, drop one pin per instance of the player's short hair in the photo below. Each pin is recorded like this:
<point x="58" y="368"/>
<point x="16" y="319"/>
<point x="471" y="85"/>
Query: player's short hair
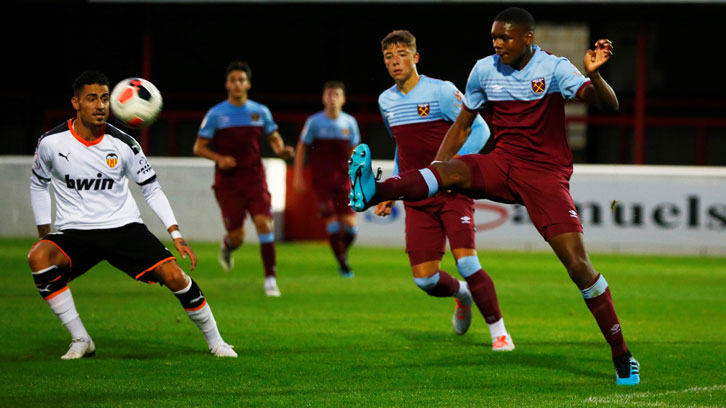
<point x="516" y="16"/>
<point x="89" y="77"/>
<point x="399" y="37"/>
<point x="239" y="66"/>
<point x="334" y="85"/>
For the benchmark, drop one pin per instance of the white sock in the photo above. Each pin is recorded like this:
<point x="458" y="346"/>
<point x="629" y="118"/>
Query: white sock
<point x="497" y="329"/>
<point x="270" y="281"/>
<point x="64" y="307"/>
<point x="204" y="319"/>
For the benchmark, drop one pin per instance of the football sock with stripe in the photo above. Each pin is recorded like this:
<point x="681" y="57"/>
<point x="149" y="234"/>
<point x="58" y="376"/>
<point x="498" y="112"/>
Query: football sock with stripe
<point x="411" y="185"/>
<point x="482" y="290"/>
<point x="440" y="284"/>
<point x="599" y="301"/>
<point x="52" y="285"/>
<point x="198" y="310"/>
<point x="267" y="251"/>
<point x="337" y="244"/>
<point x="349" y="234"/>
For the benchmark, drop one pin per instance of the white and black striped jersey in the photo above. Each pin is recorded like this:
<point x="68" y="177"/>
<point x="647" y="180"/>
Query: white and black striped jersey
<point x="90" y="180"/>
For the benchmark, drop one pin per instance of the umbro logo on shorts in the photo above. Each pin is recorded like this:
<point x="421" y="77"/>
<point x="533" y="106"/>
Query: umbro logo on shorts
<point x="465" y="220"/>
<point x="573" y="214"/>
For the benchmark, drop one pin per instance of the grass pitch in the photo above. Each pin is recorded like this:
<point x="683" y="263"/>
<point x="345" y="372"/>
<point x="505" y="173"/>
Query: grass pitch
<point x="375" y="340"/>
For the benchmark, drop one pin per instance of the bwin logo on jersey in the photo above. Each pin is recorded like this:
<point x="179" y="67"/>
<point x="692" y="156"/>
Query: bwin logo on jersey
<point x="89" y="184"/>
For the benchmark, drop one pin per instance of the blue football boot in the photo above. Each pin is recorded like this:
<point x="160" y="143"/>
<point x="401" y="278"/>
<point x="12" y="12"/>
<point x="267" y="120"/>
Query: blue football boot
<point x="627" y="370"/>
<point x="363" y="182"/>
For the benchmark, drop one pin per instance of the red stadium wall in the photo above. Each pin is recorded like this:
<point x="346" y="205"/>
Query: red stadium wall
<point x="302" y="221"/>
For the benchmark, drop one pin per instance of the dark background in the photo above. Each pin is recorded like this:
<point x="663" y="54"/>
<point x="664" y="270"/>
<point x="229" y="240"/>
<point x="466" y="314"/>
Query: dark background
<point x="294" y="48"/>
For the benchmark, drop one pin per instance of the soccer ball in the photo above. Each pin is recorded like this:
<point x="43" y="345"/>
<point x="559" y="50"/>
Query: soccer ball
<point x="136" y="102"/>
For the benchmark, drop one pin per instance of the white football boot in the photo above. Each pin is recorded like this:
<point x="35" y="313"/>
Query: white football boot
<point x="80" y="348"/>
<point x="223" y="349"/>
<point x="271" y="288"/>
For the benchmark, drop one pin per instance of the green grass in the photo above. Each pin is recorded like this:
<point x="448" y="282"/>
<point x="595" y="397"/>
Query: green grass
<point x="375" y="340"/>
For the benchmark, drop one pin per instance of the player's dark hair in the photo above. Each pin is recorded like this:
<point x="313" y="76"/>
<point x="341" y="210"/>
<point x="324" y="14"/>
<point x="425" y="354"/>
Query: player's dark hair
<point x="516" y="16"/>
<point x="239" y="66"/>
<point x="334" y="85"/>
<point x="399" y="37"/>
<point x="89" y="78"/>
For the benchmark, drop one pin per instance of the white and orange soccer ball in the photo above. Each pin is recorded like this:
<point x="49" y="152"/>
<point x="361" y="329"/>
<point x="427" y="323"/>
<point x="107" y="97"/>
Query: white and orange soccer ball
<point x="136" y="102"/>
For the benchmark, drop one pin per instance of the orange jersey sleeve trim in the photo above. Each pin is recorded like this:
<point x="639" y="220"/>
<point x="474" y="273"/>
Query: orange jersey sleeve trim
<point x="54" y="294"/>
<point x="82" y="140"/>
<point x="154" y="266"/>
<point x="197" y="308"/>
<point x="70" y="261"/>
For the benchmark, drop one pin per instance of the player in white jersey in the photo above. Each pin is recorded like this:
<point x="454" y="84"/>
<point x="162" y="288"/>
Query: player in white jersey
<point x="89" y="163"/>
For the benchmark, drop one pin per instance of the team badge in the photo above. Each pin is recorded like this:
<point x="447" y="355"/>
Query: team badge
<point x="424" y="109"/>
<point x="255" y="117"/>
<point x="346" y="132"/>
<point x="538" y="85"/>
<point x="111" y="160"/>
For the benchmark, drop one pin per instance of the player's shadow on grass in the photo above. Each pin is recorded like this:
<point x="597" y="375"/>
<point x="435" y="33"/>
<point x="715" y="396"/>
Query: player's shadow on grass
<point x="115" y="348"/>
<point x="466" y="352"/>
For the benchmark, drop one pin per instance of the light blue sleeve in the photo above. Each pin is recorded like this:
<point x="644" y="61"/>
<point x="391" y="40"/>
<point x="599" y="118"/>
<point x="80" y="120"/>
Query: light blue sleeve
<point x="450" y="100"/>
<point x="209" y="125"/>
<point x="268" y="125"/>
<point x="569" y="78"/>
<point x="354" y="132"/>
<point x="451" y="103"/>
<point x="396" y="170"/>
<point x="477" y="138"/>
<point x="308" y="133"/>
<point x="475" y="97"/>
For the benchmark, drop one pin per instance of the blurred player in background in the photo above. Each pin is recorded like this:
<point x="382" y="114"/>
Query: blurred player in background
<point x="531" y="161"/>
<point x="330" y="135"/>
<point x="89" y="162"/>
<point x="233" y="129"/>
<point x="417" y="111"/>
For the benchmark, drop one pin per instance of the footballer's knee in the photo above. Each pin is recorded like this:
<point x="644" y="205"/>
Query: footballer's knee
<point x="44" y="254"/>
<point x="263" y="224"/>
<point x="171" y="275"/>
<point x="581" y="271"/>
<point x="236" y="237"/>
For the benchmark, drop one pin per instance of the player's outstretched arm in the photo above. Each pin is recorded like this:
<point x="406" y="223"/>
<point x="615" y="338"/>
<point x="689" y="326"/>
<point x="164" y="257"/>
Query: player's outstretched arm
<point x="456" y="135"/>
<point x="600" y="94"/>
<point x="181" y="245"/>
<point x="278" y="146"/>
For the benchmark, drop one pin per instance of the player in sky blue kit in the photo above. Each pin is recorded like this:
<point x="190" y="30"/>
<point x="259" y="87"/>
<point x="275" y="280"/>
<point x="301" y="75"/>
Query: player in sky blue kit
<point x="530" y="163"/>
<point x="229" y="136"/>
<point x="89" y="164"/>
<point x="418" y="111"/>
<point x="329" y="136"/>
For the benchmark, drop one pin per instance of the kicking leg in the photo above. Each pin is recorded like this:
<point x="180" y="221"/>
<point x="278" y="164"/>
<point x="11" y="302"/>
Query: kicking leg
<point x="195" y="305"/>
<point x="49" y="267"/>
<point x="412" y="185"/>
